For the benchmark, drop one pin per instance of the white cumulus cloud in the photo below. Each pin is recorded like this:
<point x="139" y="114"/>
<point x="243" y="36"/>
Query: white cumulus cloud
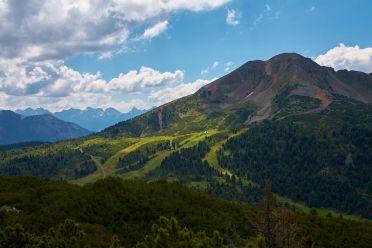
<point x="56" y="86"/>
<point x="211" y="68"/>
<point x="228" y="66"/>
<point x="125" y="106"/>
<point x="153" y="31"/>
<point x="172" y="93"/>
<point x="48" y="79"/>
<point x="106" y="55"/>
<point x="56" y="29"/>
<point x="37" y="36"/>
<point x="144" y="78"/>
<point x="232" y="17"/>
<point x="350" y="58"/>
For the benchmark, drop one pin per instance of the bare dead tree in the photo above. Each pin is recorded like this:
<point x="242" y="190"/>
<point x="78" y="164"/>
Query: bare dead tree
<point x="276" y="227"/>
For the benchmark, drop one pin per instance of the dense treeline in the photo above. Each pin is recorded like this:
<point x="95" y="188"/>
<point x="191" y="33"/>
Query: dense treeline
<point x="138" y="158"/>
<point x="234" y="190"/>
<point x="116" y="207"/>
<point x="22" y="145"/>
<point x="170" y="234"/>
<point x="66" y="235"/>
<point x="64" y="163"/>
<point x="186" y="165"/>
<point x="117" y="213"/>
<point x="69" y="235"/>
<point x="311" y="161"/>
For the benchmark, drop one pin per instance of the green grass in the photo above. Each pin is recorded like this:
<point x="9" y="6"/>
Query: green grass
<point x="200" y="185"/>
<point x="322" y="212"/>
<point x="211" y="156"/>
<point x="149" y="166"/>
<point x="155" y="162"/>
<point x="110" y="166"/>
<point x="99" y="174"/>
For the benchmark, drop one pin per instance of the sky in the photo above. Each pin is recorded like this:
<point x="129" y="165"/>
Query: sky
<point x="60" y="54"/>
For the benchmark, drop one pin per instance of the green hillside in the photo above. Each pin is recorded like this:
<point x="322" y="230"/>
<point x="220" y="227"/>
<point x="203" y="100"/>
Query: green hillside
<point x="128" y="209"/>
<point x="323" y="159"/>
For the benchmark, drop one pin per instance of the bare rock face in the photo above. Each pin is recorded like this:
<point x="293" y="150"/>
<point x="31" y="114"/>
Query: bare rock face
<point x="260" y="81"/>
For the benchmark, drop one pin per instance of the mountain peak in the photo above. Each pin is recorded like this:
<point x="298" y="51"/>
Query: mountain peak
<point x="288" y="56"/>
<point x="291" y="62"/>
<point x="260" y="81"/>
<point x="30" y="111"/>
<point x="95" y="119"/>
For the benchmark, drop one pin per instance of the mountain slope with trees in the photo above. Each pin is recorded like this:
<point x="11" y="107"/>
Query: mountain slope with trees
<point x="323" y="160"/>
<point x="128" y="213"/>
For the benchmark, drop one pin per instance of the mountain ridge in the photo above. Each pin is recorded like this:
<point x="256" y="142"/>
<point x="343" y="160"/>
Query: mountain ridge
<point x="93" y="119"/>
<point x="15" y="128"/>
<point x="31" y="111"/>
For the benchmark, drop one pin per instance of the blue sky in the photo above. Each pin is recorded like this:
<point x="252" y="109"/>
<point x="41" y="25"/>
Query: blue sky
<point x="179" y="46"/>
<point x="194" y="41"/>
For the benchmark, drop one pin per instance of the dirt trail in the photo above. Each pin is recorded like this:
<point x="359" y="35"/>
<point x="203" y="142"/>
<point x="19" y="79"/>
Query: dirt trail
<point x="99" y="165"/>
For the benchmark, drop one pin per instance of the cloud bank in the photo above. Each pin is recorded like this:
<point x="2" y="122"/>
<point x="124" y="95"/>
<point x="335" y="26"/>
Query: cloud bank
<point x="39" y="30"/>
<point x="350" y="58"/>
<point x="172" y="93"/>
<point x="58" y="86"/>
<point x="36" y="37"/>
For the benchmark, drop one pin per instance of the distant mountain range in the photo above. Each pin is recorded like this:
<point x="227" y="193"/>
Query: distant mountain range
<point x="16" y="128"/>
<point x="94" y="119"/>
<point x="31" y="111"/>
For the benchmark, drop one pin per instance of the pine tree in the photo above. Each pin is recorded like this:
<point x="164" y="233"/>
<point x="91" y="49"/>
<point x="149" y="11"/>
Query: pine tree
<point x="169" y="234"/>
